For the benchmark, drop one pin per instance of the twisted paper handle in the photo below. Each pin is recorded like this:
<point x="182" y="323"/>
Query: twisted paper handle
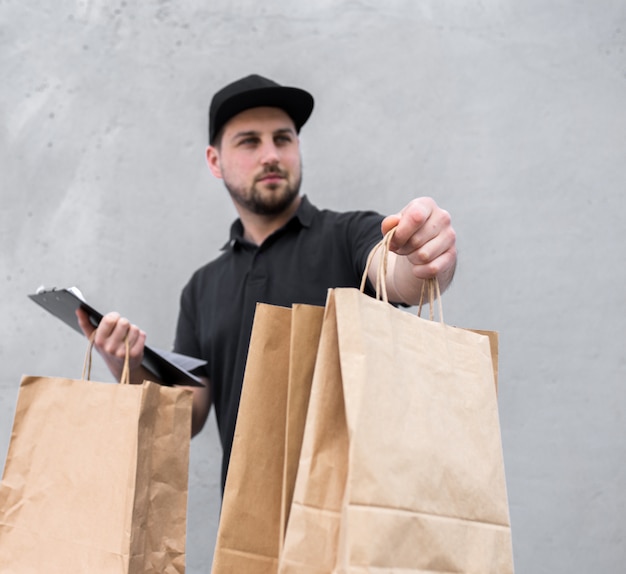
<point x="434" y="293"/>
<point x="430" y="287"/>
<point x="381" y="284"/>
<point x="86" y="375"/>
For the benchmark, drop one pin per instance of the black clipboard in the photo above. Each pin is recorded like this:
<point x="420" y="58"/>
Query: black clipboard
<point x="169" y="368"/>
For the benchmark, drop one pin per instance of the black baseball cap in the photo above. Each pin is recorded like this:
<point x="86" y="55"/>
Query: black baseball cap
<point x="255" y="91"/>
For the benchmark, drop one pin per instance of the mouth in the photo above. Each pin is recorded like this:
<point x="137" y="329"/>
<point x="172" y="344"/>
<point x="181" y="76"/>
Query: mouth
<point x="271" y="178"/>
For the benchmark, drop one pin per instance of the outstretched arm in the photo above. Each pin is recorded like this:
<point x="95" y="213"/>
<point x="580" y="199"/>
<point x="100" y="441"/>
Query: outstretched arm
<point x="423" y="247"/>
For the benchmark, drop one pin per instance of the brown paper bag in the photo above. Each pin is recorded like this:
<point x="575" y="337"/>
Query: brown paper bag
<point x="401" y="467"/>
<point x="95" y="479"/>
<point x="306" y="327"/>
<point x="267" y="440"/>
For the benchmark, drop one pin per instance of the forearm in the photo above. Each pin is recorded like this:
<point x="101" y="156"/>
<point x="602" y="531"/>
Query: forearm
<point x="201" y="405"/>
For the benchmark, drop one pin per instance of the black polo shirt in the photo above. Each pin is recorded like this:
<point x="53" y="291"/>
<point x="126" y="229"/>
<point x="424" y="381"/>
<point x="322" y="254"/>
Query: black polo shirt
<point x="314" y="251"/>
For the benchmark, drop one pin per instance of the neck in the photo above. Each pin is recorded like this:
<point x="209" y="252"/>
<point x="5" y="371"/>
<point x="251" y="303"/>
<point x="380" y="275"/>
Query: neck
<point x="257" y="228"/>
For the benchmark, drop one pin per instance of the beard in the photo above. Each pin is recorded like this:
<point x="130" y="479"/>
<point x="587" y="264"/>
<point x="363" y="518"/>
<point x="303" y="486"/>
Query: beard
<point x="273" y="200"/>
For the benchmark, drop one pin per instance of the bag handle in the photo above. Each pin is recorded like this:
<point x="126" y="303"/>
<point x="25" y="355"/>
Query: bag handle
<point x="434" y="293"/>
<point x="124" y="379"/>
<point x="430" y="285"/>
<point x="381" y="284"/>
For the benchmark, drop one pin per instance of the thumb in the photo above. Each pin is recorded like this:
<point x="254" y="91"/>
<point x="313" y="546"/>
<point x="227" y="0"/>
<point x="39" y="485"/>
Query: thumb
<point x="84" y="323"/>
<point x="389" y="223"/>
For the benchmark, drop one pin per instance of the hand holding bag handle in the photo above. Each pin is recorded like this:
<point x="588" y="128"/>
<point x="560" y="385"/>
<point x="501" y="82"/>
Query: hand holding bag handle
<point x="86" y="374"/>
<point x="434" y="293"/>
<point x="96" y="477"/>
<point x="432" y="284"/>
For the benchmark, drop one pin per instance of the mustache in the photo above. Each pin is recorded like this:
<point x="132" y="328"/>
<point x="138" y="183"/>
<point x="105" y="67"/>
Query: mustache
<point x="271" y="170"/>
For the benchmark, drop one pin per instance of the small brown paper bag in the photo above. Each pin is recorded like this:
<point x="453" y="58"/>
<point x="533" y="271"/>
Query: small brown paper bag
<point x="268" y="436"/>
<point x="401" y="467"/>
<point x="96" y="479"/>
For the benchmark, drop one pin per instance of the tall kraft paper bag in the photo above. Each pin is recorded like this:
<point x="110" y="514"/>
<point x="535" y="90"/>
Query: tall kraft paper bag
<point x="306" y="327"/>
<point x="95" y="479"/>
<point x="401" y="468"/>
<point x="268" y="435"/>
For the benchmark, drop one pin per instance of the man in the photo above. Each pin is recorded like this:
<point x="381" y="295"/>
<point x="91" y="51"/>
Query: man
<point x="282" y="250"/>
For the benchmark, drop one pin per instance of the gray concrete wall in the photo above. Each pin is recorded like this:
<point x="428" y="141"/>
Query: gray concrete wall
<point x="511" y="114"/>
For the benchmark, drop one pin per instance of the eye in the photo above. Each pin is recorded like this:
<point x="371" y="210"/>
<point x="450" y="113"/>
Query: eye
<point x="283" y="139"/>
<point x="248" y="141"/>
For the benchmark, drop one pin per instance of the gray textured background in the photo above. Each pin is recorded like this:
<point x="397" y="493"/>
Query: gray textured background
<point x="511" y="114"/>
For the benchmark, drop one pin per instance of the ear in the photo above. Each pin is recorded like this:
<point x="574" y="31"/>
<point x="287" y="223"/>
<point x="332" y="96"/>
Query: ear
<point x="213" y="159"/>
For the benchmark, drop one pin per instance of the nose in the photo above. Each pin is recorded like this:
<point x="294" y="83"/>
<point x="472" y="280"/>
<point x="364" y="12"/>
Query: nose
<point x="269" y="154"/>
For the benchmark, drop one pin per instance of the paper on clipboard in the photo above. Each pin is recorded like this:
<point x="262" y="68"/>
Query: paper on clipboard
<point x="171" y="368"/>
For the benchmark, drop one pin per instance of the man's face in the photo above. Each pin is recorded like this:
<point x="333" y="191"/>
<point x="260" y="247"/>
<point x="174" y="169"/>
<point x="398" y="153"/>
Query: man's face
<point x="259" y="160"/>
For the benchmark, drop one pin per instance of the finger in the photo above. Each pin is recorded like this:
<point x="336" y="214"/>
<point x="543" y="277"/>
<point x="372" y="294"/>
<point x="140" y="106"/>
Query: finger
<point x="111" y="334"/>
<point x="84" y="323"/>
<point x="107" y="326"/>
<point x="433" y="248"/>
<point x="136" y="338"/>
<point x="389" y="223"/>
<point x="437" y="267"/>
<point x="124" y="331"/>
<point x="137" y="347"/>
<point x="418" y="224"/>
<point x="412" y="221"/>
<point x="117" y="340"/>
<point x="431" y="241"/>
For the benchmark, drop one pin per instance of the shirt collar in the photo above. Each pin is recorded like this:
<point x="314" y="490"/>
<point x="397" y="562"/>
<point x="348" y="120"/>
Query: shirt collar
<point x="303" y="216"/>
